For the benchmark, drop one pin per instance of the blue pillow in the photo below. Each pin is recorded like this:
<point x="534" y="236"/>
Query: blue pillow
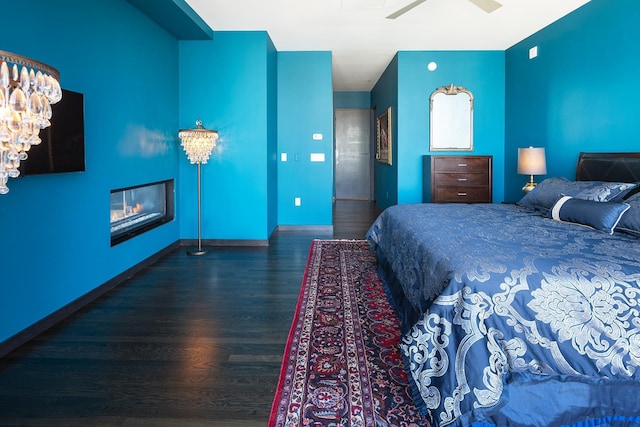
<point x="600" y="191"/>
<point x="544" y="195"/>
<point x="602" y="216"/>
<point x="547" y="192"/>
<point x="630" y="221"/>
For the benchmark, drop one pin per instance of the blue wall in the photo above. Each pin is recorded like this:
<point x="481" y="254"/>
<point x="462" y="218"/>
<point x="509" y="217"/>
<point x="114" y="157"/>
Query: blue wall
<point x="383" y="96"/>
<point x="406" y="86"/>
<point x="481" y="72"/>
<point x="230" y="83"/>
<point x="352" y="99"/>
<point x="305" y="107"/>
<point x="579" y="94"/>
<point x="58" y="225"/>
<point x="272" y="137"/>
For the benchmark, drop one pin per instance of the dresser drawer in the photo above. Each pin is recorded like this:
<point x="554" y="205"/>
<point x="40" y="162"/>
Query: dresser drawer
<point x="462" y="195"/>
<point x="463" y="179"/>
<point x="459" y="164"/>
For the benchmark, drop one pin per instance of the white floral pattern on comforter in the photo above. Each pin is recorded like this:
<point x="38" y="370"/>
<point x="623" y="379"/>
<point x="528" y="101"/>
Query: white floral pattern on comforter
<point x="497" y="297"/>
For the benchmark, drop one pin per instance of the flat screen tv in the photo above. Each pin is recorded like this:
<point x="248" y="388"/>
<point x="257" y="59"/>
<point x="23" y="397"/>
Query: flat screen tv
<point x="62" y="147"/>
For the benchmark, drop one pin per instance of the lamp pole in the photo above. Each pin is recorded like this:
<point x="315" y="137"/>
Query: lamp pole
<point x="199" y="250"/>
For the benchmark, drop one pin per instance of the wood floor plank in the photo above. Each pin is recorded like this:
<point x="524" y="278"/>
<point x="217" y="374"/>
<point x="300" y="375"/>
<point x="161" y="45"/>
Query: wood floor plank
<point x="187" y="341"/>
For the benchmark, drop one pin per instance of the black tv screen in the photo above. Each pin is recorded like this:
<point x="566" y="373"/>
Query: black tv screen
<point x="62" y="147"/>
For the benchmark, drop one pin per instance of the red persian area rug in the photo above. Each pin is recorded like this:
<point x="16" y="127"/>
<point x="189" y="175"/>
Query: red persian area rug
<point x="342" y="366"/>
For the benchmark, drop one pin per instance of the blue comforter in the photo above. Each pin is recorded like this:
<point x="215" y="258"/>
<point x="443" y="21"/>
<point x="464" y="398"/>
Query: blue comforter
<point x="511" y="318"/>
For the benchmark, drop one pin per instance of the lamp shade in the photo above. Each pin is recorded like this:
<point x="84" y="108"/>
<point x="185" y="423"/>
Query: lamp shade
<point x="198" y="143"/>
<point x="531" y="161"/>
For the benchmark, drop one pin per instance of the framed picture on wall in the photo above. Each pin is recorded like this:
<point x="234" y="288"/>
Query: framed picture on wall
<point x="384" y="137"/>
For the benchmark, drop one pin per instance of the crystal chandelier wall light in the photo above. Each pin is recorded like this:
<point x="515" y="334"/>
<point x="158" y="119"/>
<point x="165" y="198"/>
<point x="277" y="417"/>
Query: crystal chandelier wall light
<point x="27" y="90"/>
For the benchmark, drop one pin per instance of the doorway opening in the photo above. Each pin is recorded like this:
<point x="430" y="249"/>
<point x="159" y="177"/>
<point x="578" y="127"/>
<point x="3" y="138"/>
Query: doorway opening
<point x="354" y="159"/>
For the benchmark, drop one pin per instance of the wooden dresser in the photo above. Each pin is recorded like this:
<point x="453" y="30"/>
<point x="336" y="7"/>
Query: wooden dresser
<point x="457" y="179"/>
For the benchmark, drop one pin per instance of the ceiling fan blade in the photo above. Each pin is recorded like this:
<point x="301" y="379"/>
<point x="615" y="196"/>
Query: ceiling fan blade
<point x="405" y="9"/>
<point x="487" y="5"/>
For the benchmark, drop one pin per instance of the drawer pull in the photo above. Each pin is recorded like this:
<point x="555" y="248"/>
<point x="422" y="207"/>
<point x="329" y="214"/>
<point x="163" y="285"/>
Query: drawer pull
<point x="462" y="194"/>
<point x="462" y="179"/>
<point x="462" y="165"/>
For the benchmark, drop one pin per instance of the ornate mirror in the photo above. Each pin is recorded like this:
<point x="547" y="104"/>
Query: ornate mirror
<point x="451" y="111"/>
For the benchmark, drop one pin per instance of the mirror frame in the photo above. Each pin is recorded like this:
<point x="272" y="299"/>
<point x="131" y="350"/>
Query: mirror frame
<point x="443" y="130"/>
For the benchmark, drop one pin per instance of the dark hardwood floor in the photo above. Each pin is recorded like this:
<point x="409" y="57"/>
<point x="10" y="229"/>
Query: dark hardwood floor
<point x="189" y="341"/>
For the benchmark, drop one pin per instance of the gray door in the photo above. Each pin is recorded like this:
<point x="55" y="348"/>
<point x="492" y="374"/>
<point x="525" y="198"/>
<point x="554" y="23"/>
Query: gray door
<point x="353" y="153"/>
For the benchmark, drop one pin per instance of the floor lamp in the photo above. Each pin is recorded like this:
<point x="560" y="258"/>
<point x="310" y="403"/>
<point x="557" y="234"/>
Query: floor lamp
<point x="198" y="144"/>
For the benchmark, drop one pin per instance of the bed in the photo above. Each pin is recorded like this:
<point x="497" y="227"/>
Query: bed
<point x="522" y="314"/>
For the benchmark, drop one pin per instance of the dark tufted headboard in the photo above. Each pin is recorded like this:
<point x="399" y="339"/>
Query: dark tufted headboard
<point x="610" y="167"/>
<point x="619" y="167"/>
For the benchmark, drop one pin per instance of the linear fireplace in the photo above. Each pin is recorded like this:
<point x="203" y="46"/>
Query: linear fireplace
<point x="135" y="210"/>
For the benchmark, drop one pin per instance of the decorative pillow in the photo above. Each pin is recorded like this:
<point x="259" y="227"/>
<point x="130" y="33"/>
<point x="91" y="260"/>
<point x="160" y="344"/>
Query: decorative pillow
<point x="602" y="216"/>
<point x="547" y="192"/>
<point x="599" y="191"/>
<point x="630" y="221"/>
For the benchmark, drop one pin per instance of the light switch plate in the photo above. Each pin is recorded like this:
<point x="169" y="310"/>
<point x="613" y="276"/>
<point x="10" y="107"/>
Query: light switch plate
<point x="317" y="137"/>
<point x="317" y="157"/>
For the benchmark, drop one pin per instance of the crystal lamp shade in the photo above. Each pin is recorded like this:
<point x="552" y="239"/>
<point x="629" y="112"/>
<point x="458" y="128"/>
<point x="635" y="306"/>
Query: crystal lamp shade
<point x="27" y="90"/>
<point x="198" y="143"/>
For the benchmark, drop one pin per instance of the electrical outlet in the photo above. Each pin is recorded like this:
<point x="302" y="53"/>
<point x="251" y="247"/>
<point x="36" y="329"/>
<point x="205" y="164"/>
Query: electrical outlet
<point x="296" y="201"/>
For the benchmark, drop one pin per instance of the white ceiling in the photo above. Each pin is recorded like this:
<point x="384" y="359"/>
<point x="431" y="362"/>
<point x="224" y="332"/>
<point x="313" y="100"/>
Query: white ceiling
<point x="363" y="41"/>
